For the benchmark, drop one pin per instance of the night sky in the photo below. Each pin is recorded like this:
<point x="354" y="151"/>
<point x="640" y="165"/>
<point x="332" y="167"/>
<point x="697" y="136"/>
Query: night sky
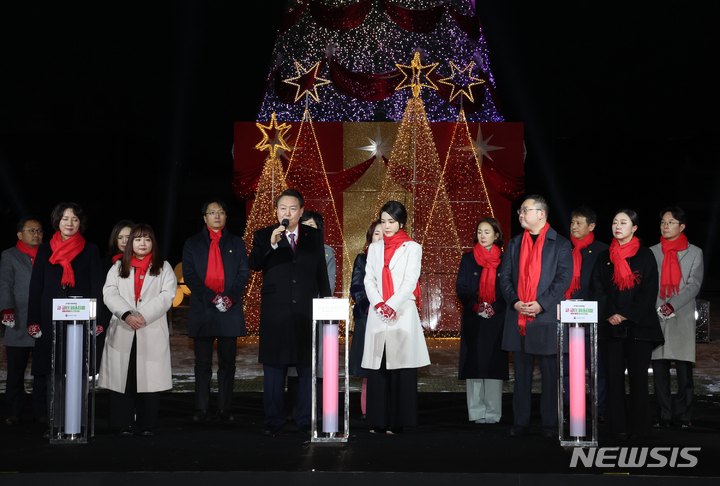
<point x="128" y="108"/>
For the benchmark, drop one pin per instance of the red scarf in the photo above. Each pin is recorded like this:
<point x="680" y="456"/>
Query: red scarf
<point x="141" y="268"/>
<point x="670" y="274"/>
<point x="117" y="257"/>
<point x="578" y="246"/>
<point x="623" y="277"/>
<point x="215" y="276"/>
<point x="530" y="269"/>
<point x="31" y="252"/>
<point x="392" y="243"/>
<point x="64" y="252"/>
<point x="489" y="260"/>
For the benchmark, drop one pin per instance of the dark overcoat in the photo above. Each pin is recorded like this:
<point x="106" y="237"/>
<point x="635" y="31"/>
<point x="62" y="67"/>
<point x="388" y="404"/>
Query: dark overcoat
<point x="45" y="286"/>
<point x="360" y="313"/>
<point x="636" y="304"/>
<point x="481" y="354"/>
<point x="589" y="257"/>
<point x="204" y="319"/>
<point x="555" y="278"/>
<point x="291" y="280"/>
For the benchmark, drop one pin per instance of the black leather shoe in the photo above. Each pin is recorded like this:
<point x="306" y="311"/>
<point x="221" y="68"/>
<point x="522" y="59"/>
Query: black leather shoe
<point x="395" y="430"/>
<point x="378" y="430"/>
<point x="662" y="423"/>
<point x="200" y="416"/>
<point x="226" y="416"/>
<point x="126" y="432"/>
<point x="518" y="431"/>
<point x="147" y="433"/>
<point x="12" y="420"/>
<point x="271" y="431"/>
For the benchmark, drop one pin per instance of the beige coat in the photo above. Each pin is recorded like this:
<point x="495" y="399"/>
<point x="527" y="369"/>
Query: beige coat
<point x="402" y="339"/>
<point x="154" y="371"/>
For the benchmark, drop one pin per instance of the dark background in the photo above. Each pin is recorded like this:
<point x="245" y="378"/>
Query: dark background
<point x="128" y="108"/>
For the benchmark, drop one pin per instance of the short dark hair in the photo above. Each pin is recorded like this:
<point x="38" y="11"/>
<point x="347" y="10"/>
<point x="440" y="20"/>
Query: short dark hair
<point x="539" y="201"/>
<point x="112" y="243"/>
<point x="315" y="216"/>
<point x="496" y="228"/>
<point x="585" y="212"/>
<point x="141" y="229"/>
<point x="21" y="224"/>
<point x="631" y="214"/>
<point x="396" y="210"/>
<point x="214" y="201"/>
<point x="291" y="193"/>
<point x="677" y="213"/>
<point x="370" y="232"/>
<point x="57" y="214"/>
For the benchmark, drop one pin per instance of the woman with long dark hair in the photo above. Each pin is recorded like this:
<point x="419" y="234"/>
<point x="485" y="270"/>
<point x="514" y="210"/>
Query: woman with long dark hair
<point x="360" y="312"/>
<point x="625" y="284"/>
<point x="139" y="291"/>
<point x="394" y="341"/>
<point x="483" y="364"/>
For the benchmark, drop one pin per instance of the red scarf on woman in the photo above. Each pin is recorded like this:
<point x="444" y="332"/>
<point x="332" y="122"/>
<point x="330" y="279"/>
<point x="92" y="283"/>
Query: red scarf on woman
<point x="64" y="252"/>
<point x="489" y="260"/>
<point x="392" y="243"/>
<point x="31" y="252"/>
<point x="578" y="246"/>
<point x="530" y="269"/>
<point x="215" y="276"/>
<point x="623" y="277"/>
<point x="141" y="268"/>
<point x="117" y="257"/>
<point x="670" y="273"/>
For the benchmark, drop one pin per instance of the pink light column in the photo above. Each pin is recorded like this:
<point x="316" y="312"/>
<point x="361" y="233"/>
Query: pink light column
<point x="576" y="337"/>
<point x="331" y="344"/>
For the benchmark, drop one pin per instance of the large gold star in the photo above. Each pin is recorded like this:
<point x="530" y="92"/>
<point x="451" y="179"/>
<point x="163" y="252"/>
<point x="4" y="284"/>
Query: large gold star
<point x="459" y="89"/>
<point x="306" y="81"/>
<point x="413" y="73"/>
<point x="277" y="142"/>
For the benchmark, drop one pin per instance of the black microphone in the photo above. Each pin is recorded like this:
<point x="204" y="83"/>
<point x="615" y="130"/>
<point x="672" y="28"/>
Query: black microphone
<point x="285" y="222"/>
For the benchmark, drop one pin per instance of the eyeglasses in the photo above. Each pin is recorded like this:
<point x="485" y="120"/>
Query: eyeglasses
<point x="34" y="231"/>
<point x="668" y="223"/>
<point x="525" y="210"/>
<point x="213" y="213"/>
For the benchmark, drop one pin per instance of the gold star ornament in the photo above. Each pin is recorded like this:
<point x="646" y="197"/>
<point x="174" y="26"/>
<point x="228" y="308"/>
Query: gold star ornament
<point x="307" y="81"/>
<point x="278" y="141"/>
<point x="458" y="89"/>
<point x="414" y="74"/>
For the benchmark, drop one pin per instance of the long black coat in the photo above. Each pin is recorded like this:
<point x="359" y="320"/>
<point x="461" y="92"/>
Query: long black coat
<point x="481" y="355"/>
<point x="205" y="319"/>
<point x="360" y="313"/>
<point x="637" y="304"/>
<point x="555" y="278"/>
<point x="590" y="255"/>
<point x="45" y="286"/>
<point x="291" y="280"/>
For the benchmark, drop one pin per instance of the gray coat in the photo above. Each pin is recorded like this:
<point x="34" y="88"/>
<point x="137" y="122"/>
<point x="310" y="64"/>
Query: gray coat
<point x="15" y="271"/>
<point x="555" y="278"/>
<point x="679" y="331"/>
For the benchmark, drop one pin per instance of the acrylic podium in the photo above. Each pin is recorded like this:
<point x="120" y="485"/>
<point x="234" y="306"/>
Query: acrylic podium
<point x="580" y="316"/>
<point x="72" y="415"/>
<point x="330" y="422"/>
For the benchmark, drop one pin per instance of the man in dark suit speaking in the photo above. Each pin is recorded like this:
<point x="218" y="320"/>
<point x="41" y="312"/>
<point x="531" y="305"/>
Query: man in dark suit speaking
<point x="292" y="259"/>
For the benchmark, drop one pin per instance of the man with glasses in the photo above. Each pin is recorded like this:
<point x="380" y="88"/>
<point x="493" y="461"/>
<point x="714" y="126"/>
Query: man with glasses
<point x="681" y="274"/>
<point x="15" y="271"/>
<point x="215" y="269"/>
<point x="535" y="273"/>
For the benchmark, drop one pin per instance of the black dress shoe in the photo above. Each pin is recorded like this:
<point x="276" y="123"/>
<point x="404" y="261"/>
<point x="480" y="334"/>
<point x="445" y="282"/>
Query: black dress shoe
<point x="395" y="430"/>
<point x="200" y="416"/>
<point x="126" y="432"/>
<point x="147" y="433"/>
<point x="271" y="431"/>
<point x="518" y="431"/>
<point x="12" y="420"/>
<point x="379" y="430"/>
<point x="226" y="416"/>
<point x="661" y="424"/>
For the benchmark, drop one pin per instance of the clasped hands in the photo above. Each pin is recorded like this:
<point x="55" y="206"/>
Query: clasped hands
<point x="666" y="311"/>
<point x="222" y="302"/>
<point x="529" y="309"/>
<point x="385" y="312"/>
<point x="135" y="321"/>
<point x="484" y="310"/>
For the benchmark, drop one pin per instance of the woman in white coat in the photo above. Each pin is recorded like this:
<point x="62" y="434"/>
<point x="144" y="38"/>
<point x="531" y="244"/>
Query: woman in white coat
<point x="394" y="341"/>
<point x="139" y="291"/>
